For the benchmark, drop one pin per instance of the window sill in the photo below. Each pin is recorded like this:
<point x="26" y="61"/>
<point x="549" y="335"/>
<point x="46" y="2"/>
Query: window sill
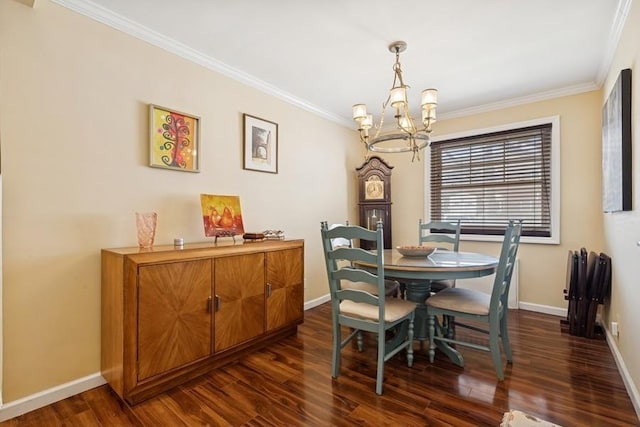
<point x="523" y="239"/>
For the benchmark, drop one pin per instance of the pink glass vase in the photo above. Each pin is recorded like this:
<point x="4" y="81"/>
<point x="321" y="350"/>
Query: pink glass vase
<point x="146" y="225"/>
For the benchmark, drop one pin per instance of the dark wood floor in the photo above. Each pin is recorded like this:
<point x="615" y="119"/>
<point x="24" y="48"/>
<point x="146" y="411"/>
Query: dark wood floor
<point x="567" y="380"/>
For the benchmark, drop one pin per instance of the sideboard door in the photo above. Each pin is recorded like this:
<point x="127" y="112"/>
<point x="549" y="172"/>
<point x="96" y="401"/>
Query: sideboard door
<point x="285" y="287"/>
<point x="174" y="321"/>
<point x="239" y="299"/>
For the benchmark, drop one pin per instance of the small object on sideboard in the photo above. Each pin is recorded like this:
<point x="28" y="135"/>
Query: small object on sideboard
<point x="273" y="234"/>
<point x="253" y="236"/>
<point x="178" y="242"/>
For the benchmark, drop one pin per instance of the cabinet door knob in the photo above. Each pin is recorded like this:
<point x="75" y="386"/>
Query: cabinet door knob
<point x="209" y="304"/>
<point x="217" y="303"/>
<point x="268" y="290"/>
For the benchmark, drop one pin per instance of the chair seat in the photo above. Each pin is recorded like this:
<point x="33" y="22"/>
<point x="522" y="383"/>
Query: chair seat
<point x="462" y="300"/>
<point x="395" y="309"/>
<point x="390" y="287"/>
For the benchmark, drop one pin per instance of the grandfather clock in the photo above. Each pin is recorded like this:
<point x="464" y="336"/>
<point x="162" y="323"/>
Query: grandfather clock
<point x="374" y="193"/>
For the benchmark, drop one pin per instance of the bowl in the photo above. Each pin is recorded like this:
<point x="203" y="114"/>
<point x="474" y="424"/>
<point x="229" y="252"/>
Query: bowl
<point x="415" y="251"/>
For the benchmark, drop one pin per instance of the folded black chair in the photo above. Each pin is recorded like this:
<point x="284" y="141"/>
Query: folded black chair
<point x="588" y="284"/>
<point x="570" y="292"/>
<point x="582" y="295"/>
<point x="600" y="284"/>
<point x="595" y="279"/>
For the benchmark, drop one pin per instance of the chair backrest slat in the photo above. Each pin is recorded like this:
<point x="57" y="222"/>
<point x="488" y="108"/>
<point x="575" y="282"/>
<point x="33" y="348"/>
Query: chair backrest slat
<point x="506" y="265"/>
<point x="353" y="254"/>
<point x="338" y="272"/>
<point x="426" y="234"/>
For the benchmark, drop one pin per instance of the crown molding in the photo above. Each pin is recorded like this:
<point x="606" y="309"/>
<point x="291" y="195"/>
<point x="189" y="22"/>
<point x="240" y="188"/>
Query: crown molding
<point x="127" y="26"/>
<point x="617" y="26"/>
<point x="513" y="102"/>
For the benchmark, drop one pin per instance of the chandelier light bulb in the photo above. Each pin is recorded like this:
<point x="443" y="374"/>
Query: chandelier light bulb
<point x="404" y="123"/>
<point x="367" y="122"/>
<point x="398" y="97"/>
<point x="429" y="97"/>
<point x="359" y="111"/>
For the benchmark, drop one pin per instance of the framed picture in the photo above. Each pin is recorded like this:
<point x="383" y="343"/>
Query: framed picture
<point x="174" y="139"/>
<point x="260" y="138"/>
<point x="221" y="215"/>
<point x="616" y="146"/>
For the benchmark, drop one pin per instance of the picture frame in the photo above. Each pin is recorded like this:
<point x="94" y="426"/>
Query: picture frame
<point x="616" y="146"/>
<point x="221" y="215"/>
<point x="260" y="142"/>
<point x="174" y="139"/>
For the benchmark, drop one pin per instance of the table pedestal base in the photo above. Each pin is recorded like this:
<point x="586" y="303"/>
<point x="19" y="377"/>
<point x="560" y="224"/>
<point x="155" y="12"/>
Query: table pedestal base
<point x="418" y="292"/>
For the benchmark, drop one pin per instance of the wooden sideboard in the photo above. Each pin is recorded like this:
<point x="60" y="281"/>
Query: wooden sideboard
<point x="169" y="315"/>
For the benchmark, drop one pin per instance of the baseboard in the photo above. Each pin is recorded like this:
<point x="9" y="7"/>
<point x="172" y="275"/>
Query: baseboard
<point x="316" y="302"/>
<point x="546" y="309"/>
<point x="47" y="397"/>
<point x="632" y="390"/>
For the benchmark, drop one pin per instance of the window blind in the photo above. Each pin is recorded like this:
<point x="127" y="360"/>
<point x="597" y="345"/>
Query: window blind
<point x="485" y="180"/>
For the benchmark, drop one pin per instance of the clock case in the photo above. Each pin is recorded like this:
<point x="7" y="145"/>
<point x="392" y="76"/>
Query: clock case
<point x="374" y="206"/>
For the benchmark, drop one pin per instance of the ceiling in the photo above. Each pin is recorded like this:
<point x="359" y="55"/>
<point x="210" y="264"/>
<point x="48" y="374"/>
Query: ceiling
<point x="328" y="55"/>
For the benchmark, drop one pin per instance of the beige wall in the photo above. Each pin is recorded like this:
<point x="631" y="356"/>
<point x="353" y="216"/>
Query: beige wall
<point x="622" y="229"/>
<point x="542" y="267"/>
<point x="74" y="98"/>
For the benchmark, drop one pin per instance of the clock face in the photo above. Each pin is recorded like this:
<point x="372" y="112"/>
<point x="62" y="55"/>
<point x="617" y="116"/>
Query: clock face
<point x="374" y="189"/>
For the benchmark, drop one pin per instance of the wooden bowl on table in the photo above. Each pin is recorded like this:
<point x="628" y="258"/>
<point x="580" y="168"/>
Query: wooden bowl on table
<point x="415" y="251"/>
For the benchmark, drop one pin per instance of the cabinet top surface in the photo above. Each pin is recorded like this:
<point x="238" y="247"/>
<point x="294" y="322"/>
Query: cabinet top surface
<point x="204" y="249"/>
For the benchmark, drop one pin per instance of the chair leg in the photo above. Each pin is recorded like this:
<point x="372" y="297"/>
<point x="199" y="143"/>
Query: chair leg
<point x="410" y="346"/>
<point x="380" y="368"/>
<point x="450" y="326"/>
<point x="504" y="334"/>
<point x="432" y="332"/>
<point x="494" y="346"/>
<point x="337" y="340"/>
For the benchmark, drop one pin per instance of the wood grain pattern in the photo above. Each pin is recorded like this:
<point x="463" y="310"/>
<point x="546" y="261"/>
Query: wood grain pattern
<point x="239" y="285"/>
<point x="285" y="276"/>
<point x="112" y="320"/>
<point x="568" y="380"/>
<point x="122" y="309"/>
<point x="174" y="323"/>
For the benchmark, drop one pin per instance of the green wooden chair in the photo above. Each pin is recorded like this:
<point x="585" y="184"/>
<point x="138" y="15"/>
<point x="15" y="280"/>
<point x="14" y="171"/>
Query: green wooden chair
<point x="470" y="304"/>
<point x="451" y="239"/>
<point x="361" y="310"/>
<point x="391" y="287"/>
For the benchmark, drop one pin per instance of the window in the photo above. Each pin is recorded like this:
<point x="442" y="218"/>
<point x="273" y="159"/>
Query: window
<point x="490" y="176"/>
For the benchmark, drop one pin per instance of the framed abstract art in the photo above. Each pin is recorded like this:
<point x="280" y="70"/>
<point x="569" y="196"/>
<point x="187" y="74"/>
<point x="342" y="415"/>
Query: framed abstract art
<point x="616" y="146"/>
<point x="174" y="139"/>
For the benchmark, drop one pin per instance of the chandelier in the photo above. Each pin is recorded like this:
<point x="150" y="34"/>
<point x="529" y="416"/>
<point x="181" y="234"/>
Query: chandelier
<point x="406" y="136"/>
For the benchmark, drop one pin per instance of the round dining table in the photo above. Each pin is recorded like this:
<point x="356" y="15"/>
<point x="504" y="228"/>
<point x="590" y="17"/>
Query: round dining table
<point x="417" y="272"/>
